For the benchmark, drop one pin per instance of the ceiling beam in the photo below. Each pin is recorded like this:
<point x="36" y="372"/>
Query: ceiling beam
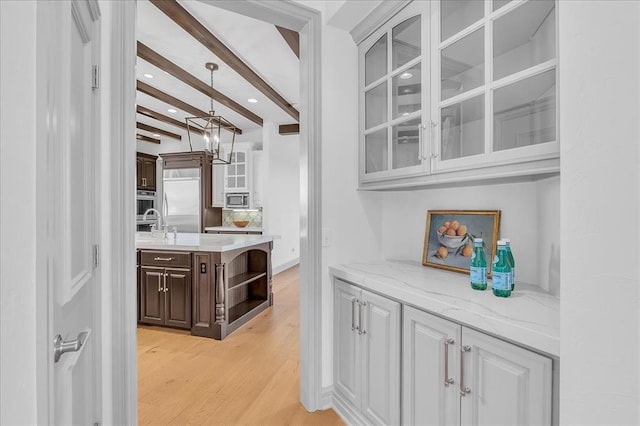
<point x="192" y="26"/>
<point x="289" y="129"/>
<point x="147" y="139"/>
<point x="157" y="130"/>
<point x="164" y="64"/>
<point x="168" y="99"/>
<point x="161" y="117"/>
<point x="292" y="38"/>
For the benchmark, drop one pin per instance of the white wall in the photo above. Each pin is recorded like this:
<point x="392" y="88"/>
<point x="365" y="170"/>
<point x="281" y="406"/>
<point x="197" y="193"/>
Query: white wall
<point x="281" y="195"/>
<point x="548" y="234"/>
<point x="531" y="224"/>
<point x="600" y="133"/>
<point x="18" y="391"/>
<point x="352" y="218"/>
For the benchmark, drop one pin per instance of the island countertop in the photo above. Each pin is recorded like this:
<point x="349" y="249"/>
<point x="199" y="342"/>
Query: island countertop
<point x="233" y="229"/>
<point x="530" y="317"/>
<point x="199" y="242"/>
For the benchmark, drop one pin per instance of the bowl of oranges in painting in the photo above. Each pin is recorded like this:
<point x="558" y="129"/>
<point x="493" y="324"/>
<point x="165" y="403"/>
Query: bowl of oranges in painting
<point x="453" y="236"/>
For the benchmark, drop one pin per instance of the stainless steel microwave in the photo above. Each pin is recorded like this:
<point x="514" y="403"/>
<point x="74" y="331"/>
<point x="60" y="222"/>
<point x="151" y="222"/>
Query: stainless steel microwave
<point x="237" y="200"/>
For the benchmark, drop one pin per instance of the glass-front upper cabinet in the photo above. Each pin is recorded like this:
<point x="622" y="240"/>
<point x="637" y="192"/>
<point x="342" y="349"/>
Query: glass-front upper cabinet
<point x="496" y="97"/>
<point x="394" y="96"/>
<point x="236" y="172"/>
<point x="458" y="85"/>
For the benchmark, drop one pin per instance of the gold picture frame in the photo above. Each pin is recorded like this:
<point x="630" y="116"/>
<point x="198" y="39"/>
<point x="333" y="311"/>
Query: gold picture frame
<point x="452" y="250"/>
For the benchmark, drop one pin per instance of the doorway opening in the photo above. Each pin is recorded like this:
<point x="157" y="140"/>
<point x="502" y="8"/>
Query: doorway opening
<point x="288" y="15"/>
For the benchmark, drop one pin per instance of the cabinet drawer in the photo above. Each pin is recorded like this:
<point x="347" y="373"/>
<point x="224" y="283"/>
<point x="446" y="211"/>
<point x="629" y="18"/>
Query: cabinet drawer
<point x="165" y="258"/>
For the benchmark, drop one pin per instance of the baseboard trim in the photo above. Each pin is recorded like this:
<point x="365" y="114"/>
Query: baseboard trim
<point x="326" y="396"/>
<point x="346" y="412"/>
<point x="285" y="266"/>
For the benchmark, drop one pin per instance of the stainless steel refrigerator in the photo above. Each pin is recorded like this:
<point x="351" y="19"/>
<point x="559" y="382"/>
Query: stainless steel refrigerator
<point x="181" y="199"/>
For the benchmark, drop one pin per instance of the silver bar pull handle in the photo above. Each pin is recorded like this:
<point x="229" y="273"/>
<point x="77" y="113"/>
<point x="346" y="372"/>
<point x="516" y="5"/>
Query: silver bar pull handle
<point x="361" y="320"/>
<point x="432" y="140"/>
<point x="160" y="283"/>
<point x="165" y="282"/>
<point x="447" y="380"/>
<point x="463" y="389"/>
<point x="420" y="146"/>
<point x="353" y="314"/>
<point x="61" y="347"/>
<point x="163" y="259"/>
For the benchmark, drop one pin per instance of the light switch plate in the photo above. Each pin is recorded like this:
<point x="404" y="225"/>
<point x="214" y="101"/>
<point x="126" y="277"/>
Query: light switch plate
<point x="326" y="237"/>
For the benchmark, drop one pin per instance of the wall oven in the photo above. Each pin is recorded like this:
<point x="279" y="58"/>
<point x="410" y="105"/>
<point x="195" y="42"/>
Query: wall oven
<point x="146" y="200"/>
<point x="237" y="200"/>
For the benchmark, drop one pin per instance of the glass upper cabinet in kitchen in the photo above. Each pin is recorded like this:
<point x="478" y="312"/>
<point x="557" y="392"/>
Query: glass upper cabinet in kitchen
<point x="236" y="172"/>
<point x="497" y="66"/>
<point x="455" y="90"/>
<point x="392" y="92"/>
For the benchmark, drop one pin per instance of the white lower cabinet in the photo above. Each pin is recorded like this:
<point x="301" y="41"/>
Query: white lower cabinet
<point x="367" y="355"/>
<point x="453" y="375"/>
<point x="429" y="358"/>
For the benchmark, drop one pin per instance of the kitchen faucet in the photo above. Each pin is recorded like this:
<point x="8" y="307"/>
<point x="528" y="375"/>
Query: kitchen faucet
<point x="159" y="224"/>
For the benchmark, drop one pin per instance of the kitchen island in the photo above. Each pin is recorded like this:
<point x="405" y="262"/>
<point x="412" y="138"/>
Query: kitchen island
<point x="207" y="283"/>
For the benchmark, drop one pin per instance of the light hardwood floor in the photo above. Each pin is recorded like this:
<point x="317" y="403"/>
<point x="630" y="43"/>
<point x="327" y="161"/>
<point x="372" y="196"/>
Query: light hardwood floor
<point x="249" y="378"/>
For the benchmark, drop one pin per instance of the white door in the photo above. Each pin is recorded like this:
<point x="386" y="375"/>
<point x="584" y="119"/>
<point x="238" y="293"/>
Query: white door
<point x="346" y="350"/>
<point x="72" y="275"/>
<point x="380" y="330"/>
<point x="430" y="369"/>
<point x="507" y="385"/>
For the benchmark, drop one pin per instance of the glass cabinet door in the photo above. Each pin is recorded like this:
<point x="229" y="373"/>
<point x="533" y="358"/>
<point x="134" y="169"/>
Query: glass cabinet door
<point x="453" y="85"/>
<point x="393" y="94"/>
<point x="497" y="68"/>
<point x="236" y="178"/>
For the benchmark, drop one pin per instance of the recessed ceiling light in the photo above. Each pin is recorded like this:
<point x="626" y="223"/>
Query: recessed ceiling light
<point x="406" y="75"/>
<point x="252" y="100"/>
<point x="147" y="75"/>
<point x="172" y="111"/>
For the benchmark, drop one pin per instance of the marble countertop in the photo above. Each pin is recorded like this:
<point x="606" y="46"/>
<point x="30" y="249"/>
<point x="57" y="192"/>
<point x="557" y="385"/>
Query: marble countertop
<point x="233" y="229"/>
<point x="199" y="242"/>
<point x="530" y="317"/>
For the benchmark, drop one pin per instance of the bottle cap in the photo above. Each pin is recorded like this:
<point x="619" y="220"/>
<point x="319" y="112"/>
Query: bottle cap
<point x="478" y="240"/>
<point x="501" y="242"/>
<point x="507" y="240"/>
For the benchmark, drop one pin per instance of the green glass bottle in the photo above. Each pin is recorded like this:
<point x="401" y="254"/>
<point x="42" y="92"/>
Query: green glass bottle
<point x="512" y="262"/>
<point x="478" y="270"/>
<point x="501" y="281"/>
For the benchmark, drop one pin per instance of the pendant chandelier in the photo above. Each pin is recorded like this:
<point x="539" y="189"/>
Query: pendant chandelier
<point x="210" y="127"/>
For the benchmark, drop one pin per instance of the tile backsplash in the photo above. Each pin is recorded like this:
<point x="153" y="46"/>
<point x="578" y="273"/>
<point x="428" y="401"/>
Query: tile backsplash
<point x="253" y="216"/>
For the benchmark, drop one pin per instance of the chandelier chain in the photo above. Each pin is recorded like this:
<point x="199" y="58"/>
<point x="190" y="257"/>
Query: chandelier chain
<point x="211" y="98"/>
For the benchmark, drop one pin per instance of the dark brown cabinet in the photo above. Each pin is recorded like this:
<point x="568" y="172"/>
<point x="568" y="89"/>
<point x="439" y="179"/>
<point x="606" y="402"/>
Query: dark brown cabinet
<point x="146" y="171"/>
<point x="177" y="302"/>
<point x="165" y="289"/>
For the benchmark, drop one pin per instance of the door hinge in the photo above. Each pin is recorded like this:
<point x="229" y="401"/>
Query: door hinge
<point x="96" y="256"/>
<point x="95" y="77"/>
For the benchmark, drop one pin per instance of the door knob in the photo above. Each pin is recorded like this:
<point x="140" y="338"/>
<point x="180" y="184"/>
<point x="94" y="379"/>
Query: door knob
<point x="61" y="347"/>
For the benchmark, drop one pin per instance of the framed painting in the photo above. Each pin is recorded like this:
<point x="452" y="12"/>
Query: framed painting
<point x="449" y="235"/>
